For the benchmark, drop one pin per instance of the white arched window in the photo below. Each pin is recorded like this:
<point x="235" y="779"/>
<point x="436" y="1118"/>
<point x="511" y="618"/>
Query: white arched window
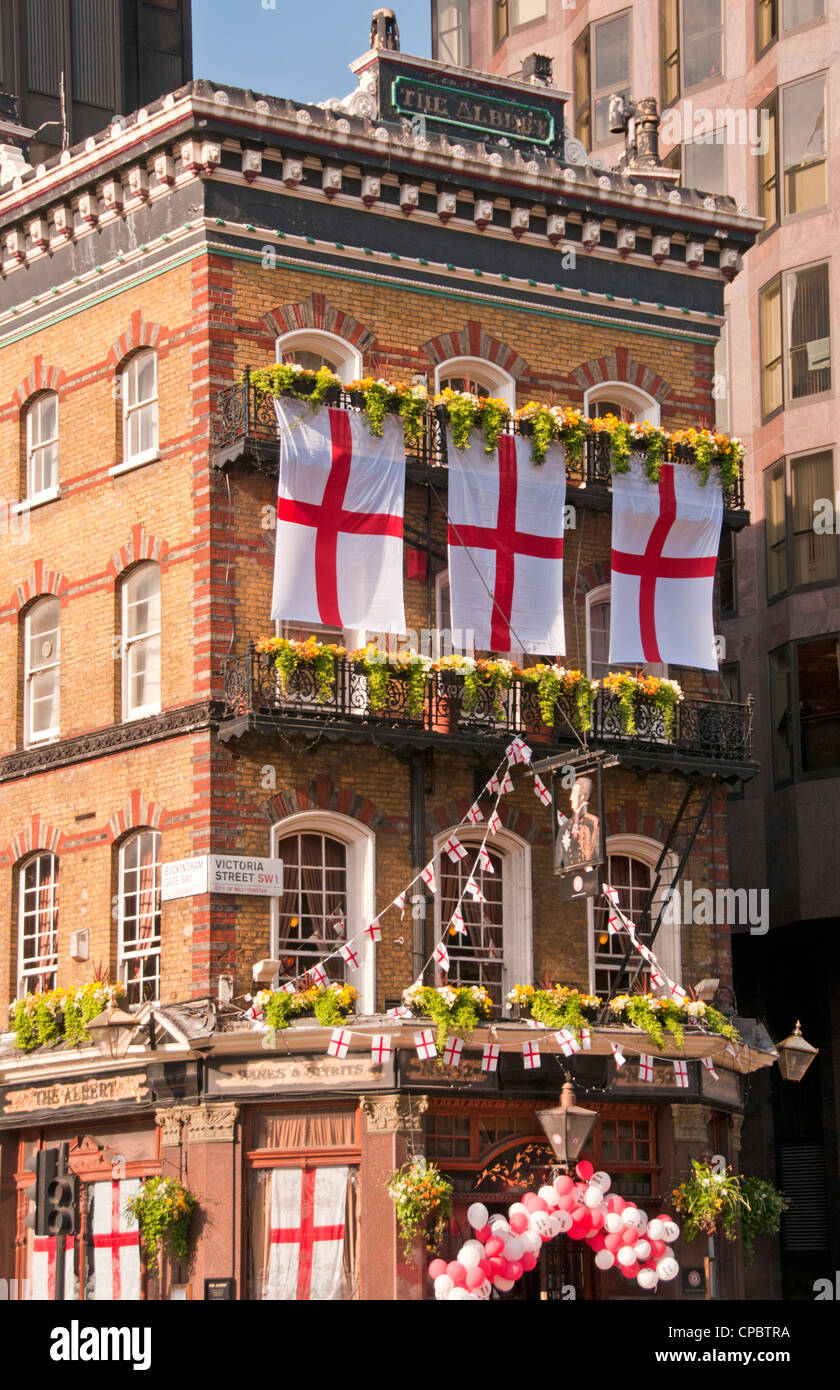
<point x="42" y="447"/>
<point x="618" y="398"/>
<point x="478" y="375"/>
<point x="598" y="639"/>
<point x="314" y="348"/>
<point x="139" y="916"/>
<point x="327" y="900"/>
<point x="38" y="925"/>
<point x="42" y="670"/>
<point x="139" y="388"/>
<point x="495" y="950"/>
<point x="141" y="642"/>
<point x="630" y="868"/>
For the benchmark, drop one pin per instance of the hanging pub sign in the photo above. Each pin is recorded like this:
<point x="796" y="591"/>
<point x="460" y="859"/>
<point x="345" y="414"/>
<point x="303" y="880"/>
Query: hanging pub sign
<point x="578" y="816"/>
<point x="466" y="106"/>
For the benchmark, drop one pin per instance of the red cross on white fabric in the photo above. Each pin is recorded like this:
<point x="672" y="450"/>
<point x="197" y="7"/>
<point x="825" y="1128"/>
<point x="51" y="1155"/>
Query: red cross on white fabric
<point x="531" y="1056"/>
<point x="425" y="1044"/>
<point x="116" y="1241"/>
<point x="656" y="979"/>
<point x="490" y="1057"/>
<point x="442" y="956"/>
<point x="306" y="1234"/>
<point x="493" y="785"/>
<point x="399" y="901"/>
<point x="494" y="825"/>
<point x="428" y="877"/>
<point x="339" y="1043"/>
<point x="47" y="1245"/>
<point x="506" y="784"/>
<point x="380" y="1048"/>
<point x="319" y="976"/>
<point x="567" y="1042"/>
<point x="611" y="895"/>
<point x="654" y="565"/>
<point x="475" y="814"/>
<point x="507" y="542"/>
<point x="350" y="956"/>
<point x="517" y="752"/>
<point x="452" y="1052"/>
<point x="613" y="924"/>
<point x="331" y="519"/>
<point x="541" y="790"/>
<point x="681" y="1074"/>
<point x="586" y="1039"/>
<point x="619" y="1056"/>
<point x="456" y="926"/>
<point x="455" y="849"/>
<point x="485" y="861"/>
<point x="373" y="932"/>
<point x="678" y="994"/>
<point x="709" y="1065"/>
<point x="473" y="889"/>
<point x="645" y="1068"/>
<point x="401" y="1011"/>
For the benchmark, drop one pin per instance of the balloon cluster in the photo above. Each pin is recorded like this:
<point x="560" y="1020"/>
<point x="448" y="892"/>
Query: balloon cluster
<point x="504" y="1248"/>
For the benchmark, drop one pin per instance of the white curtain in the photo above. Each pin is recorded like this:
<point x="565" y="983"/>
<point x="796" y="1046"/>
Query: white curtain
<point x="308" y="1209"/>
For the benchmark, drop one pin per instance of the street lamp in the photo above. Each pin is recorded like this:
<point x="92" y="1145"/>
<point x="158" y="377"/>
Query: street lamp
<point x="795" y="1055"/>
<point x="567" y="1128"/>
<point x="111" y="1030"/>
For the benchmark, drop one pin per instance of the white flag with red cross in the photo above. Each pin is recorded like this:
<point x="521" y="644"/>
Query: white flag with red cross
<point x="116" y="1242"/>
<point x="340" y="503"/>
<point x="681" y="1074"/>
<point x="506" y="544"/>
<point x="665" y="541"/>
<point x="490" y="1057"/>
<point x="307" y="1234"/>
<point x="452" y="1051"/>
<point x="380" y="1048"/>
<point x="442" y="957"/>
<point x="645" y="1068"/>
<point x="531" y="1056"/>
<point x="42" y="1287"/>
<point x="339" y="1042"/>
<point x="352" y="957"/>
<point x="541" y="790"/>
<point x="425" y="1044"/>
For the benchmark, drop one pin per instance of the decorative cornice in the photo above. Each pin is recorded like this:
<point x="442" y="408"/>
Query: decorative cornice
<point x="691" y="1123"/>
<point x="213" y="1124"/>
<point x="172" y="723"/>
<point x="394" y="1113"/>
<point x="172" y="1121"/>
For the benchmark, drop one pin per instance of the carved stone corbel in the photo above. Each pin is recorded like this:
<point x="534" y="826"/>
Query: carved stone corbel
<point x="213" y="1124"/>
<point x="172" y="1121"/>
<point x="691" y="1123"/>
<point x="390" y="1113"/>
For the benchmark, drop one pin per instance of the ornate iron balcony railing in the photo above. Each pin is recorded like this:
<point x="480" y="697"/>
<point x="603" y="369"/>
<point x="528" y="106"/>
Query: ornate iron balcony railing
<point x="245" y="426"/>
<point x="705" y="732"/>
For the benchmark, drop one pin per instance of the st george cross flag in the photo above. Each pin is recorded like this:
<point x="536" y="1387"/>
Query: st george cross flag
<point x="307" y="1233"/>
<point x="665" y="540"/>
<point x="490" y="1057"/>
<point x="681" y="1074"/>
<point x="116" y="1242"/>
<point x="506" y="544"/>
<point x="42" y="1288"/>
<point x="339" y="546"/>
<point x="645" y="1068"/>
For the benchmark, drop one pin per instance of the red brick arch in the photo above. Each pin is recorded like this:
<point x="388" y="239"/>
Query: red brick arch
<point x="140" y="546"/>
<point x="138" y="814"/>
<point x="322" y="794"/>
<point x="41" y="378"/>
<point x="620" y="366"/>
<point x="41" y="580"/>
<point x="37" y="835"/>
<point x="519" y="822"/>
<point x="139" y="333"/>
<point x="316" y="312"/>
<point x="474" y="341"/>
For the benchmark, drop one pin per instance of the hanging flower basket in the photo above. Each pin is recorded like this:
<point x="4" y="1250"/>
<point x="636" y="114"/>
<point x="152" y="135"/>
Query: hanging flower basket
<point x="60" y="1015"/>
<point x="396" y="681"/>
<point x="330" y="1005"/>
<point x="422" y="1199"/>
<point x="453" y="1009"/>
<point x="314" y="660"/>
<point x="659" y="1015"/>
<point x="163" y="1210"/>
<point x="561" y="1006"/>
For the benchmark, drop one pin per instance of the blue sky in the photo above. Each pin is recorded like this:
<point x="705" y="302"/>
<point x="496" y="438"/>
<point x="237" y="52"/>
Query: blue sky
<point x="298" y="48"/>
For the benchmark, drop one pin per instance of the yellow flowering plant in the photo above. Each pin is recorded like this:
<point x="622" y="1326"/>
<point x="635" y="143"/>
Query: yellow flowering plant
<point x="289" y="654"/>
<point x="163" y="1210"/>
<point x="60" y="1015"/>
<point x="557" y="1006"/>
<point x="330" y="1005"/>
<point x="422" y="1197"/>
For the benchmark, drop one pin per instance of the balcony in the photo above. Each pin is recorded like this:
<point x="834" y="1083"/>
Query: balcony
<point x="707" y="735"/>
<point x="245" y="430"/>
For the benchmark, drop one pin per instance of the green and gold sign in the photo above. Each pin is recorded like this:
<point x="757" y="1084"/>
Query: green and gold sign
<point x="473" y="111"/>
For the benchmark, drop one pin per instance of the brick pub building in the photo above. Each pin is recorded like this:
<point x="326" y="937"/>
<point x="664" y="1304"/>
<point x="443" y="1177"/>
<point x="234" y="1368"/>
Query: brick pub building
<point x="144" y="272"/>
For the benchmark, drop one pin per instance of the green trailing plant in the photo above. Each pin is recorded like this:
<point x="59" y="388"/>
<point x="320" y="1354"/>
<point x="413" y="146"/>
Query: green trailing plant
<point x="163" y="1210"/>
<point x="657" y="1016"/>
<point x="479" y="676"/>
<point x="557" y="1007"/>
<point x="422" y="1199"/>
<point x="625" y="688"/>
<point x="761" y="1213"/>
<point x="379" y="667"/>
<point x="288" y="379"/>
<point x="709" y="1201"/>
<point x="378" y="398"/>
<point x="413" y="403"/>
<point x="288" y="655"/>
<point x="60" y="1015"/>
<point x="713" y="1020"/>
<point x="552" y="682"/>
<point x="492" y="420"/>
<point x="457" y="1010"/>
<point x="330" y="1005"/>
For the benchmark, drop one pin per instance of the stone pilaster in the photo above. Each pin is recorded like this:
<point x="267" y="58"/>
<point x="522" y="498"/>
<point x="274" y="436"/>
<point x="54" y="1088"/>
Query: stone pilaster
<point x="392" y="1130"/>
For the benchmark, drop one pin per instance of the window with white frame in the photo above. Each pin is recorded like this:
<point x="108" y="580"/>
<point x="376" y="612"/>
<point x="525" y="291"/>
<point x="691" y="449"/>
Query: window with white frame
<point x="42" y="657"/>
<point x="445" y="639"/>
<point x="139" y="916"/>
<point x="327" y="898"/>
<point x="598" y="662"/>
<point x="495" y="948"/>
<point x="628" y="403"/>
<point x="452" y="32"/>
<point x="630" y="867"/>
<point x="140" y="407"/>
<point x="314" y="348"/>
<point x="38" y="925"/>
<point x="141" y="641"/>
<point x="601" y="71"/>
<point x="477" y="375"/>
<point x="42" y="445"/>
